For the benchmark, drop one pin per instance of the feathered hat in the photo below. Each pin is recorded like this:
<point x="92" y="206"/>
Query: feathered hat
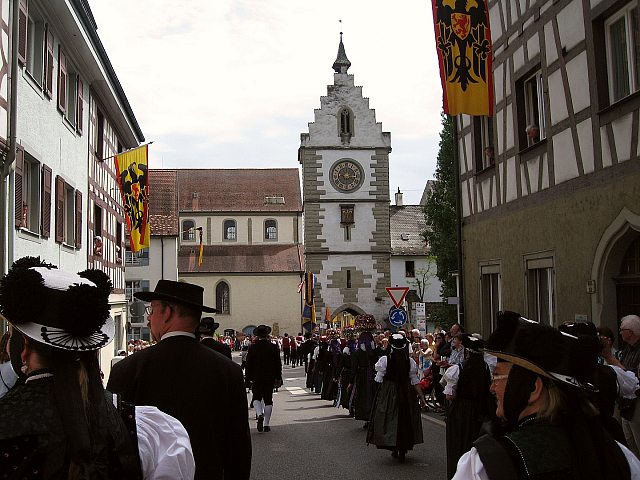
<point x="57" y="308"/>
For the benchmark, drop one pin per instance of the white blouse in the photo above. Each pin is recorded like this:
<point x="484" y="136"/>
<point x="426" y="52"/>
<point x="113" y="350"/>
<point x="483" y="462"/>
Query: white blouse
<point x="164" y="446"/>
<point x="381" y="369"/>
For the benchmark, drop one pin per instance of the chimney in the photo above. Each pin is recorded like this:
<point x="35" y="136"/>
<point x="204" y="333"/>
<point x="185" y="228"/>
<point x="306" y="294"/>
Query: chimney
<point x="399" y="202"/>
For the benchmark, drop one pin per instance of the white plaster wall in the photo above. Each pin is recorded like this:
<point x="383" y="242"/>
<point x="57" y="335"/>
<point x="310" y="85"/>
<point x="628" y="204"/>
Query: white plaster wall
<point x="606" y="151"/>
<point x="398" y="279"/>
<point x="324" y="130"/>
<point x="511" y="186"/>
<point x="558" y="100"/>
<point x="498" y="84"/>
<point x="533" y="45"/>
<point x="578" y="74"/>
<point x="464" y="199"/>
<point x="585" y="139"/>
<point x="571" y="24"/>
<point x="622" y="131"/>
<point x="564" y="157"/>
<point x="255" y="299"/>
<point x="545" y="171"/>
<point x="518" y="59"/>
<point x="333" y="298"/>
<point x="550" y="43"/>
<point x="494" y="21"/>
<point x="155" y="271"/>
<point x="4" y="85"/>
<point x="46" y="136"/>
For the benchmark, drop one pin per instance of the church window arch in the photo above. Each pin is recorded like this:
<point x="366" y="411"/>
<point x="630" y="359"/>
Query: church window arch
<point x="230" y="230"/>
<point x="345" y="122"/>
<point x="270" y="229"/>
<point x="222" y="297"/>
<point x="188" y="230"/>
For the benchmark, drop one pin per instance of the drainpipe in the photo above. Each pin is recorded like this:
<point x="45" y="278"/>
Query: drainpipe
<point x="162" y="257"/>
<point x="5" y="237"/>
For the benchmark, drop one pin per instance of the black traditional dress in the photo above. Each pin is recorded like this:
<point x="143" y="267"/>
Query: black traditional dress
<point x="472" y="405"/>
<point x="395" y="423"/>
<point x="362" y="375"/>
<point x="344" y="374"/>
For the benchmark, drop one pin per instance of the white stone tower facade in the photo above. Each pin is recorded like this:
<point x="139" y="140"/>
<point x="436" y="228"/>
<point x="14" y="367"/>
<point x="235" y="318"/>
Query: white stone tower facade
<point x="345" y="168"/>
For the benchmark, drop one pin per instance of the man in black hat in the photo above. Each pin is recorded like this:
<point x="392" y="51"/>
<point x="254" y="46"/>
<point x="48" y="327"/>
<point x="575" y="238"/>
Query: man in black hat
<point x="263" y="372"/>
<point x="205" y="331"/>
<point x="549" y="429"/>
<point x="193" y="383"/>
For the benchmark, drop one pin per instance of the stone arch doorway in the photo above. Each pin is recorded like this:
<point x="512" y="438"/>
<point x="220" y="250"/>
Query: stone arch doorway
<point x="616" y="271"/>
<point x="345" y="315"/>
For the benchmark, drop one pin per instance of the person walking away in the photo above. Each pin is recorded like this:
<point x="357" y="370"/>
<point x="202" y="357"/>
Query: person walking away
<point x="286" y="349"/>
<point x="263" y="373"/>
<point x="396" y="422"/>
<point x="205" y="331"/>
<point x="61" y="423"/>
<point x="189" y="381"/>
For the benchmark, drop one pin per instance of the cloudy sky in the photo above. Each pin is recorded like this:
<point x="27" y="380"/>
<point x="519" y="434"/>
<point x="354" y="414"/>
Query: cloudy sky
<point x="233" y="83"/>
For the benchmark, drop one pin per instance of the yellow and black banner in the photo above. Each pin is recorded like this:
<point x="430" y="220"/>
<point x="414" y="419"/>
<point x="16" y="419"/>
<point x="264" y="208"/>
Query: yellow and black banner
<point x="465" y="54"/>
<point x="133" y="178"/>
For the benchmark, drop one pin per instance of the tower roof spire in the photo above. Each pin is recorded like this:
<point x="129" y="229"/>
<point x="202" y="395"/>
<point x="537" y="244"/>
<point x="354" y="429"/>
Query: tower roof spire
<point x="342" y="63"/>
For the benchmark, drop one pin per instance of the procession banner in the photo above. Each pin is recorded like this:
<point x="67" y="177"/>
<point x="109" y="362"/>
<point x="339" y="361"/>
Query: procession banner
<point x="465" y="55"/>
<point x="133" y="179"/>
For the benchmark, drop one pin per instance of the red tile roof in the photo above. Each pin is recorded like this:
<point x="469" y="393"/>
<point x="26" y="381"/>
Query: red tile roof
<point x="239" y="190"/>
<point x="163" y="202"/>
<point x="242" y="259"/>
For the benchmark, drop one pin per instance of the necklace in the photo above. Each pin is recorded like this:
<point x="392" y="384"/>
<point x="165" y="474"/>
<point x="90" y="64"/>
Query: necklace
<point x="38" y="376"/>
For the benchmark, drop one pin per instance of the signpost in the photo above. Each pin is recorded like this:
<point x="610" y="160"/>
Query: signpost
<point x="397" y="294"/>
<point x="397" y="317"/>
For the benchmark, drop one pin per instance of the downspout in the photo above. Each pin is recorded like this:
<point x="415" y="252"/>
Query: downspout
<point x="460" y="253"/>
<point x="5" y="239"/>
<point x="162" y="257"/>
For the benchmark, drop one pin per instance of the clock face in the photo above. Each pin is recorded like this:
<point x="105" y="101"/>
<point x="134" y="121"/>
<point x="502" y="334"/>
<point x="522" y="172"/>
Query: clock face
<point x="346" y="175"/>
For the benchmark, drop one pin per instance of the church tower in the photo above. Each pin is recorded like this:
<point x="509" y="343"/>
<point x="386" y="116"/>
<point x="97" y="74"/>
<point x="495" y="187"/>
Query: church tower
<point x="345" y="170"/>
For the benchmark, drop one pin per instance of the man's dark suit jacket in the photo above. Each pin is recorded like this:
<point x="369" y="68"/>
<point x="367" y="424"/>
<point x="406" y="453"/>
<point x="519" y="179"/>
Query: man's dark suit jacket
<point x="223" y="348"/>
<point x="263" y="363"/>
<point x="202" y="389"/>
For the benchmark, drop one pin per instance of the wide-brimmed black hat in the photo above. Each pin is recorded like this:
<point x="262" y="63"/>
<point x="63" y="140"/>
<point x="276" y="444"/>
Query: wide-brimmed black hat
<point x="539" y="348"/>
<point x="177" y="292"/>
<point x="398" y="341"/>
<point x="262" y="330"/>
<point x="61" y="309"/>
<point x="208" y="326"/>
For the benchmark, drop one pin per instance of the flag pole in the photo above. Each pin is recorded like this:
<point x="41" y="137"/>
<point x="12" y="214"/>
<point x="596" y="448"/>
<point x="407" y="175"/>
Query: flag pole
<point x="125" y="151"/>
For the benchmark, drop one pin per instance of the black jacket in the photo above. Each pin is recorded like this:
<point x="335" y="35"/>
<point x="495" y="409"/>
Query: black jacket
<point x="263" y="362"/>
<point x="202" y="389"/>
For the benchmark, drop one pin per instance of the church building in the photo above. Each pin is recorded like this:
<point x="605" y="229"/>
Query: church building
<point x="345" y="169"/>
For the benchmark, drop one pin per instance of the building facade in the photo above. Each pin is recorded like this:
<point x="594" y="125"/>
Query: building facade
<point x="70" y="116"/>
<point x="550" y="186"/>
<point x="411" y="265"/>
<point x="251" y="226"/>
<point x="345" y="170"/>
<point x="160" y="260"/>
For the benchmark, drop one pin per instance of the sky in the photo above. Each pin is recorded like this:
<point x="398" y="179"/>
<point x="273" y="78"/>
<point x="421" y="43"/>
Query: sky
<point x="233" y="83"/>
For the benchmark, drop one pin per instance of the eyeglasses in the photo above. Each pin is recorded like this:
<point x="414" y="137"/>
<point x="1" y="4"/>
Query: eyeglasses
<point x="148" y="309"/>
<point x="496" y="378"/>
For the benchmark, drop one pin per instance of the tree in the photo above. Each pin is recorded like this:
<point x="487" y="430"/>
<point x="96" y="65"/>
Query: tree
<point x="424" y="277"/>
<point x="440" y="214"/>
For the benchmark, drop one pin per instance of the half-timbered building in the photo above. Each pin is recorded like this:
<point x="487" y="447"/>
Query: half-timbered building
<point x="550" y="186"/>
<point x="71" y="116"/>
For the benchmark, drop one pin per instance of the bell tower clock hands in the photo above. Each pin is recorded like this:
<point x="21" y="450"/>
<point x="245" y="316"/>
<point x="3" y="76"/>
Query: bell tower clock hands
<point x="346" y="175"/>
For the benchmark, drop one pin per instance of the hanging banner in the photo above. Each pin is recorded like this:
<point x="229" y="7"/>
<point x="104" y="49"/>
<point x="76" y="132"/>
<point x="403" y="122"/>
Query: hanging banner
<point x="133" y="179"/>
<point x="465" y="55"/>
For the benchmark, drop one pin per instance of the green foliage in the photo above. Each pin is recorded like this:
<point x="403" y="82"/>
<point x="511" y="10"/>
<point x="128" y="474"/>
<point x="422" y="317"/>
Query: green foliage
<point x="440" y="214"/>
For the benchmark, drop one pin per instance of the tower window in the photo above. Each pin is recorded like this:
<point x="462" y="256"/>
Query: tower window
<point x="345" y="123"/>
<point x="348" y="278"/>
<point x="222" y="297"/>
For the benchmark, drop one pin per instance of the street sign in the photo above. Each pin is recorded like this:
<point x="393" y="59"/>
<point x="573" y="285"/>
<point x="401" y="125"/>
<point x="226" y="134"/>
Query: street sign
<point x="420" y="309"/>
<point x="397" y="317"/>
<point x="397" y="294"/>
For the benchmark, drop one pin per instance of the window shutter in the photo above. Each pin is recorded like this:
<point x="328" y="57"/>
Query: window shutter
<point x="48" y="70"/>
<point x="59" y="209"/>
<point x="62" y="81"/>
<point x="78" y="239"/>
<point x="23" y="16"/>
<point x="46" y="201"/>
<point x="19" y="173"/>
<point x="79" y="106"/>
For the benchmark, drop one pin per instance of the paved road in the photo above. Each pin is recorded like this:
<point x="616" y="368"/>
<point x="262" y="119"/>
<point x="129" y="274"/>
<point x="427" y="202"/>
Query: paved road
<point x="312" y="439"/>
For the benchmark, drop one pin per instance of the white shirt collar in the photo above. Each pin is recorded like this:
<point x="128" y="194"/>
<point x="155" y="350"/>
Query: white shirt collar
<point x="177" y="334"/>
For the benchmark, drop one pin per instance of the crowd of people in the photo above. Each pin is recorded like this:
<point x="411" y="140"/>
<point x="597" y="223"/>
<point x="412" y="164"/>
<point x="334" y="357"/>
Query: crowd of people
<point x="533" y="401"/>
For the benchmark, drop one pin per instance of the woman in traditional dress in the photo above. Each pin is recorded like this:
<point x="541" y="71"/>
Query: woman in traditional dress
<point x="396" y="423"/>
<point x="362" y="382"/>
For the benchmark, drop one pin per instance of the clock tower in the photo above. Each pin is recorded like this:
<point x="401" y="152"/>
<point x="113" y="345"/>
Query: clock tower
<point x="345" y="171"/>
